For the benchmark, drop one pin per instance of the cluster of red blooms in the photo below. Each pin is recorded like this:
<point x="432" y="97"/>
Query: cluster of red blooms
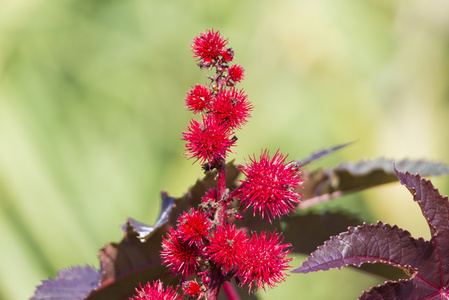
<point x="205" y="249"/>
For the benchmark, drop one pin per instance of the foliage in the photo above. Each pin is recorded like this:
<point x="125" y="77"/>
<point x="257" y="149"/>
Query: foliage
<point x="204" y="251"/>
<point x="90" y="131"/>
<point x="136" y="258"/>
<point x="424" y="261"/>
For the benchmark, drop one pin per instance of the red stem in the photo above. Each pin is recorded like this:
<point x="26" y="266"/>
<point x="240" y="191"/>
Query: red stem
<point x="217" y="279"/>
<point x="221" y="188"/>
<point x="214" y="285"/>
<point x="230" y="291"/>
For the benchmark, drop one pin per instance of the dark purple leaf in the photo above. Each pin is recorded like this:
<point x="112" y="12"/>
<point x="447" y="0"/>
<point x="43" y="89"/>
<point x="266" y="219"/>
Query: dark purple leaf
<point x="403" y="290"/>
<point x="366" y="244"/>
<point x="325" y="184"/>
<point x="145" y="231"/>
<point x="427" y="262"/>
<point x="128" y="263"/>
<point x="73" y="283"/>
<point x="434" y="207"/>
<point x="320" y="154"/>
<point x="136" y="258"/>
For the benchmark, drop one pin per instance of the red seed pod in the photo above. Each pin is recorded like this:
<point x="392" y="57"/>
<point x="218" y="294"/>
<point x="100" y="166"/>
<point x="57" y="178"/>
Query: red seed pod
<point x="228" y="55"/>
<point x="198" y="98"/>
<point x="204" y="276"/>
<point x="236" y="73"/>
<point x="208" y="141"/>
<point x="179" y="256"/>
<point x="205" y="279"/>
<point x="231" y="107"/>
<point x="238" y="216"/>
<point x="155" y="290"/>
<point x="193" y="227"/>
<point x="227" y="247"/>
<point x="209" y="46"/>
<point x="265" y="261"/>
<point x="270" y="186"/>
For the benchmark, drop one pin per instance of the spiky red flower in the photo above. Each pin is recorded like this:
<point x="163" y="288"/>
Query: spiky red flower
<point x="269" y="185"/>
<point x="194" y="227"/>
<point x="264" y="263"/>
<point x="227" y="247"/>
<point x="210" y="196"/>
<point x="198" y="98"/>
<point x="208" y="141"/>
<point x="209" y="202"/>
<point x="236" y="73"/>
<point x="228" y="55"/>
<point x="155" y="291"/>
<point x="193" y="289"/>
<point x="209" y="46"/>
<point x="178" y="255"/>
<point x="232" y="108"/>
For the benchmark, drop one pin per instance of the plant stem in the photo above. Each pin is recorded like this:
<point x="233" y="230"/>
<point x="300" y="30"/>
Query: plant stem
<point x="230" y="291"/>
<point x="221" y="188"/>
<point x="214" y="286"/>
<point x="216" y="277"/>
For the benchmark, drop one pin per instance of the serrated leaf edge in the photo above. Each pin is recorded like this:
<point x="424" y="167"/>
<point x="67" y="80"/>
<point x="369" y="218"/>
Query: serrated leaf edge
<point x="351" y="230"/>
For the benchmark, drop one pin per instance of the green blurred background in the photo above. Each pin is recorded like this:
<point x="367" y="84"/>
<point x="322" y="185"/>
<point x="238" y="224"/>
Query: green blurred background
<point x="92" y="109"/>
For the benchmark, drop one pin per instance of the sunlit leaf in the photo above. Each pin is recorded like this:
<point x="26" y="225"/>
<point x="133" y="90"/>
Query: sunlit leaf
<point x="73" y="283"/>
<point x="321" y="153"/>
<point x="325" y="184"/>
<point x="426" y="262"/>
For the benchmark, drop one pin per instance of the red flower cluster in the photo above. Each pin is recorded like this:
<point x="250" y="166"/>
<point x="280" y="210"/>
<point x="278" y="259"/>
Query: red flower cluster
<point x="204" y="246"/>
<point x="223" y="110"/>
<point x="270" y="185"/>
<point x="193" y="289"/>
<point x="155" y="291"/>
<point x="257" y="261"/>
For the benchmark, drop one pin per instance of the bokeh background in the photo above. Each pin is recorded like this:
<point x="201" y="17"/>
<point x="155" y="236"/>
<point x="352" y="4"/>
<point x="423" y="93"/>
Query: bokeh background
<point x="92" y="110"/>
